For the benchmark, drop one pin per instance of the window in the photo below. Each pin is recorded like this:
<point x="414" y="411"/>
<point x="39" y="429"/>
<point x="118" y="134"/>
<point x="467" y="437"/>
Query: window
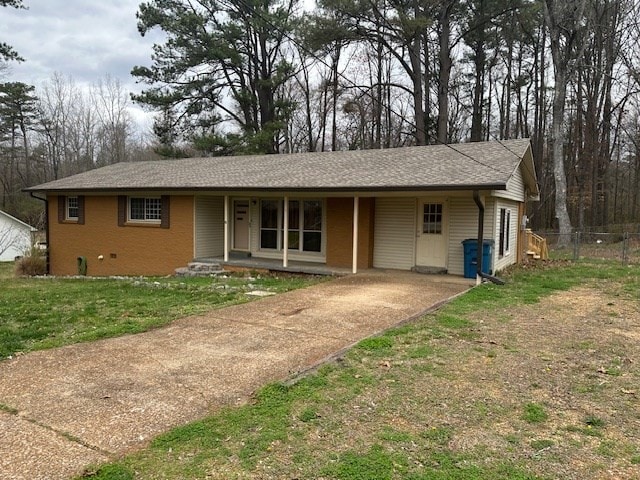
<point x="153" y="211"/>
<point x="294" y="225"/>
<point x="505" y="232"/>
<point x="72" y="208"/>
<point x="312" y="226"/>
<point x="145" y="209"/>
<point x="305" y="225"/>
<point x="432" y="218"/>
<point x="269" y="216"/>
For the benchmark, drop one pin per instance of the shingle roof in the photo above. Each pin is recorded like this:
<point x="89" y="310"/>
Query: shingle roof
<point x="484" y="165"/>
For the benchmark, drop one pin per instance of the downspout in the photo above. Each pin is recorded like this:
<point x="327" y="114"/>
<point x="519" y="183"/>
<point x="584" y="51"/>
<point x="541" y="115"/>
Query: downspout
<point x="46" y="228"/>
<point x="479" y="273"/>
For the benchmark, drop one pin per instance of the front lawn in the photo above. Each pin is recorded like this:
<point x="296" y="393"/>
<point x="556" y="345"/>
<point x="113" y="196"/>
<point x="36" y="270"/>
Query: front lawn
<point x="38" y="313"/>
<point x="535" y="379"/>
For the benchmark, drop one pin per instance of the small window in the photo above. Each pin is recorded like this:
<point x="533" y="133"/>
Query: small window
<point x="145" y="209"/>
<point x="432" y="218"/>
<point x="72" y="208"/>
<point x="505" y="232"/>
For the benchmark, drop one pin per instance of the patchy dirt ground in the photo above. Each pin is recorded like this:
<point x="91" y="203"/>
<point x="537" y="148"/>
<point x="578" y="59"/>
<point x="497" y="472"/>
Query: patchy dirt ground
<point x="575" y="356"/>
<point x="551" y="388"/>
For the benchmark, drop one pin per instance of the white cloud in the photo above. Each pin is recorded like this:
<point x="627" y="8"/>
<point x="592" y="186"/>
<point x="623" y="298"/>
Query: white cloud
<point x="86" y="40"/>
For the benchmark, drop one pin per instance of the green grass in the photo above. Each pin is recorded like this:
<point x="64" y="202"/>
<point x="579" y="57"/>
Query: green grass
<point x="359" y="419"/>
<point x="534" y="413"/>
<point x="40" y="313"/>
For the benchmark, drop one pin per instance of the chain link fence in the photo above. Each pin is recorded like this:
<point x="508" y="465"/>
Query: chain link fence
<point x="624" y="247"/>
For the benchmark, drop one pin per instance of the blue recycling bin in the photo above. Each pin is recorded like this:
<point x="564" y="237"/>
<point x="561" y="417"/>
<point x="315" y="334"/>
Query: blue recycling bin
<point x="470" y="246"/>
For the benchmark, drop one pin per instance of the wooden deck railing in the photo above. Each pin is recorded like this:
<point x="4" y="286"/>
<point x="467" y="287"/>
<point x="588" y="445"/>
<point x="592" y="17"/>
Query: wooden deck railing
<point x="536" y="245"/>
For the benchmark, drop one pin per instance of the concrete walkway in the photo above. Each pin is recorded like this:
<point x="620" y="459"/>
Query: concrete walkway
<point x="66" y="408"/>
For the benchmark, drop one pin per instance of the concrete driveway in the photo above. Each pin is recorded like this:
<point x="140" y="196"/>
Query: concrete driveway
<point x="66" y="408"/>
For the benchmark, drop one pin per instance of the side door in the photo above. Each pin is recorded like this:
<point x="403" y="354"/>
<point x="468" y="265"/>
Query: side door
<point x="433" y="233"/>
<point x="241" y="224"/>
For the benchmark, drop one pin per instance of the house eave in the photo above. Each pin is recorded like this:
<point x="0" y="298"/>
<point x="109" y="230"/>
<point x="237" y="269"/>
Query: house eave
<point x="290" y="188"/>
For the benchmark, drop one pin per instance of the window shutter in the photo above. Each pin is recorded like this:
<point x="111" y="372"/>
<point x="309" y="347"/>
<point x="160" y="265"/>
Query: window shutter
<point x="62" y="207"/>
<point x="81" y="209"/>
<point x="164" y="213"/>
<point x="122" y="210"/>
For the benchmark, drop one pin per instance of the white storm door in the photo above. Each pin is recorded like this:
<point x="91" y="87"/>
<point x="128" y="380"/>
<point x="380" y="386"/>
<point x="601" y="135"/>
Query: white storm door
<point x="241" y="225"/>
<point x="432" y="235"/>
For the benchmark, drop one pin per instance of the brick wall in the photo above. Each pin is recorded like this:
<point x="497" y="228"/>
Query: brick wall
<point x="126" y="250"/>
<point x="340" y="232"/>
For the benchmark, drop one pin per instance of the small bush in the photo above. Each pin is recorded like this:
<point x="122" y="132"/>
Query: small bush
<point x="33" y="264"/>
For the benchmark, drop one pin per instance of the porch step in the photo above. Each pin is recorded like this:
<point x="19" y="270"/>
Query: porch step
<point x="430" y="270"/>
<point x="199" y="269"/>
<point x="533" y="254"/>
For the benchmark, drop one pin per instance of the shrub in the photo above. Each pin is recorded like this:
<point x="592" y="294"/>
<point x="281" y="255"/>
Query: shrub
<point x="34" y="263"/>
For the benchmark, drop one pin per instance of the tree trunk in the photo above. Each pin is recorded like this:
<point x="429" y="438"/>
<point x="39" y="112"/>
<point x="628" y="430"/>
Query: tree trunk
<point x="445" y="72"/>
<point x="557" y="142"/>
<point x="478" y="90"/>
<point x="416" y="65"/>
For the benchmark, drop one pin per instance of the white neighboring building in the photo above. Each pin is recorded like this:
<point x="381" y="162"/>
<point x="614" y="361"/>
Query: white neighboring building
<point x="15" y="237"/>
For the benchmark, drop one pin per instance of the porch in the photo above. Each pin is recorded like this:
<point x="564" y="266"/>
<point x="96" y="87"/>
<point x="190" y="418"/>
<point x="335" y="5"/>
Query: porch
<point x="237" y="262"/>
<point x="244" y="262"/>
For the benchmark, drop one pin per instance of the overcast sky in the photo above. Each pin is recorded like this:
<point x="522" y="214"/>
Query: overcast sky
<point x="84" y="39"/>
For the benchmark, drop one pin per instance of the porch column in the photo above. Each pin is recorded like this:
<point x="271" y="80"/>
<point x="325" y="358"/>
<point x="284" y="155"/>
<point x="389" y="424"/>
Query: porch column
<point x="356" y="205"/>
<point x="226" y="228"/>
<point x="285" y="228"/>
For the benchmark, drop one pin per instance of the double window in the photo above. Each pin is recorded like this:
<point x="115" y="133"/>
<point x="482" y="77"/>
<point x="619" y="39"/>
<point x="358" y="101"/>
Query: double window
<point x="147" y="209"/>
<point x="143" y="211"/>
<point x="304" y="229"/>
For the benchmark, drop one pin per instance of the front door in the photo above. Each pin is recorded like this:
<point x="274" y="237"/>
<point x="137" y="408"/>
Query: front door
<point x="241" y="225"/>
<point x="431" y="244"/>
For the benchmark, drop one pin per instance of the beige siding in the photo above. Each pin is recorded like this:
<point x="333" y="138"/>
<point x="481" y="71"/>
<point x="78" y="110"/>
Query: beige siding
<point x="515" y="187"/>
<point x="395" y="233"/>
<point x="509" y="258"/>
<point x="209" y="230"/>
<point x="463" y="224"/>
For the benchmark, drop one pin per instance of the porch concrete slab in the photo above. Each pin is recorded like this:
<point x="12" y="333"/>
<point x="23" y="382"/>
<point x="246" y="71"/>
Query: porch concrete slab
<point x="111" y="396"/>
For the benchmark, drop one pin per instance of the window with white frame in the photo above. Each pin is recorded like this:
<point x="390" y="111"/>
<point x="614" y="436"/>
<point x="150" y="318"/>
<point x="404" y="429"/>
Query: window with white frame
<point x="72" y="208"/>
<point x="304" y="229"/>
<point x="505" y="232"/>
<point x="145" y="209"/>
<point x="432" y="218"/>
